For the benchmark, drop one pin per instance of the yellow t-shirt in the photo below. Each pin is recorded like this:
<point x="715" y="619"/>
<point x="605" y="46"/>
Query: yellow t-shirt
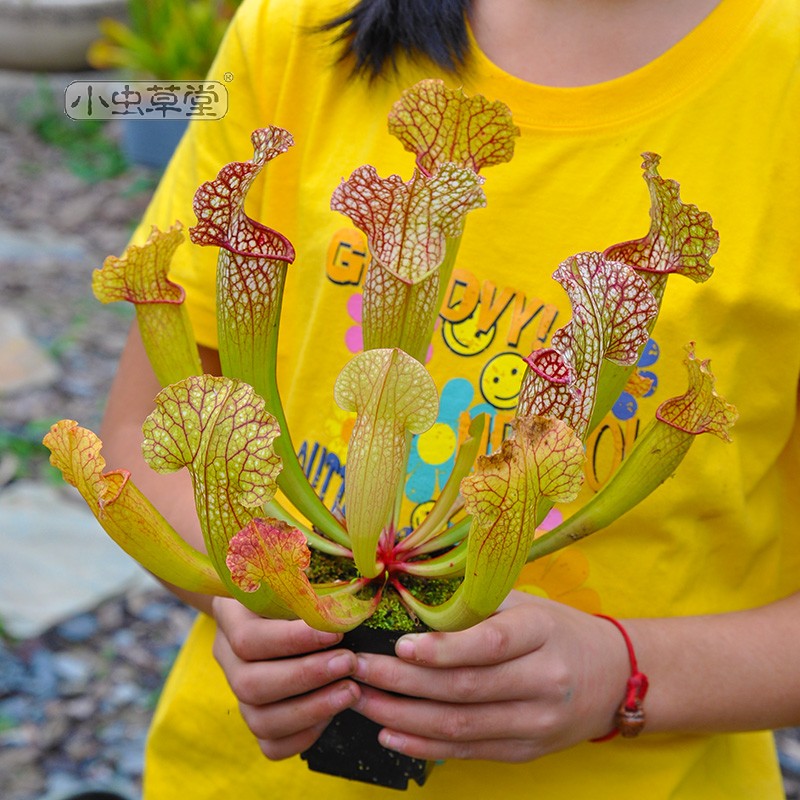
<point x="722" y="107"/>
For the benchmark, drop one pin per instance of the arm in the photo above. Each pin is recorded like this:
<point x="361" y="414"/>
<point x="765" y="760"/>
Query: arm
<point x="286" y="702"/>
<point x="728" y="672"/>
<point x="539" y="677"/>
<point x="130" y="401"/>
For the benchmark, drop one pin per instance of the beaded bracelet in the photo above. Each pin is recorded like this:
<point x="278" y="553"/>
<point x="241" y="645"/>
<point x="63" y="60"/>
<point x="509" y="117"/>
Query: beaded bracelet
<point x="629" y="718"/>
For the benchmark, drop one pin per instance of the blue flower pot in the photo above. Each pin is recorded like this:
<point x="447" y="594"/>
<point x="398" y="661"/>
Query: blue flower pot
<point x="151" y="142"/>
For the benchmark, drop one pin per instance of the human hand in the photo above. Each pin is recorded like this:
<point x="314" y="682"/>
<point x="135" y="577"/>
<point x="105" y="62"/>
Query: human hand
<point x="534" y="678"/>
<point x="288" y="690"/>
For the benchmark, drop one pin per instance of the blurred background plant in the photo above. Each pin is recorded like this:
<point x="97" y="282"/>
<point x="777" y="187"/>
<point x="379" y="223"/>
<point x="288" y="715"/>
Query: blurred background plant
<point x="89" y="152"/>
<point x="163" y="39"/>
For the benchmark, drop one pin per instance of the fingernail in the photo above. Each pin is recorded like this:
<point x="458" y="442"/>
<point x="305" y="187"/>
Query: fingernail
<point x="326" y="638"/>
<point x="343" y="697"/>
<point x="361" y="668"/>
<point x="340" y="665"/>
<point x="407" y="647"/>
<point x="390" y="741"/>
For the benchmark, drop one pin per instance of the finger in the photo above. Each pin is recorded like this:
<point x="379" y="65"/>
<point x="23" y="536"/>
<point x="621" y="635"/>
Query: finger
<point x="278" y="749"/>
<point x="297" y="714"/>
<point x="262" y="682"/>
<point x="254" y="638"/>
<point x="508" y="750"/>
<point x="499" y="638"/>
<point x="496" y="682"/>
<point x="456" y="722"/>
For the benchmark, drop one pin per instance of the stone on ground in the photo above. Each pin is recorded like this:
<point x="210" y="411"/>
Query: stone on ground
<point x="23" y="363"/>
<point x="55" y="559"/>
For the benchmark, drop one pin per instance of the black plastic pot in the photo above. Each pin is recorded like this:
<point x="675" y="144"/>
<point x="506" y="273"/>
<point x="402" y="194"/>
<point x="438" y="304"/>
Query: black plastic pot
<point x="349" y="747"/>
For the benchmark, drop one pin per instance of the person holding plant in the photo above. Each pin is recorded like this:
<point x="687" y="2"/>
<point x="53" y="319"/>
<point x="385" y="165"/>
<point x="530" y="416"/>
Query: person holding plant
<point x="704" y="575"/>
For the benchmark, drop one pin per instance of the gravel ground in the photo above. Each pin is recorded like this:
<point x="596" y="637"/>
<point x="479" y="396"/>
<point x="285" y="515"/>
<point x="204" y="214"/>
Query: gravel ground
<point x="75" y="702"/>
<point x="60" y="228"/>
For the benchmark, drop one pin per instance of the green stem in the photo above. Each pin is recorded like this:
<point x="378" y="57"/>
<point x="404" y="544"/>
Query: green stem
<point x="612" y="377"/>
<point x="250" y="354"/>
<point x="452" y="535"/>
<point x="446" y="502"/>
<point x="443" y="275"/>
<point x="168" y="341"/>
<point x="655" y="456"/>
<point x="453" y="615"/>
<point x="611" y="381"/>
<point x="452" y="245"/>
<point x="400" y="490"/>
<point x="317" y="542"/>
<point x="448" y="565"/>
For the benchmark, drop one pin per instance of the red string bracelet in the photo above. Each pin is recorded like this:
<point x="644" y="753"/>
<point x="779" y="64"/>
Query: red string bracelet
<point x="629" y="718"/>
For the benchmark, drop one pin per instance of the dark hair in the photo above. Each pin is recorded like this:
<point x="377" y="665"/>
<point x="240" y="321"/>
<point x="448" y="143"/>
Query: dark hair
<point x="373" y="32"/>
